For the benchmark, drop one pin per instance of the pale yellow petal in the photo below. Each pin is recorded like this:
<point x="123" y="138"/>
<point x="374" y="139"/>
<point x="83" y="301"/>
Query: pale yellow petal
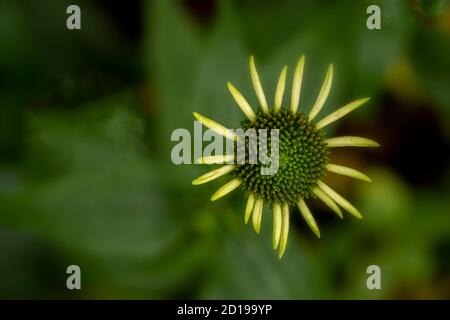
<point x="257" y="85"/>
<point x="257" y="215"/>
<point x="284" y="229"/>
<point x="339" y="113"/>
<point x="306" y="213"/>
<point x="323" y="94"/>
<point x="297" y="84"/>
<point x="214" y="174"/>
<point x="328" y="201"/>
<point x="349" y="172"/>
<point x="216" y="127"/>
<point x="249" y="207"/>
<point x="280" y="90"/>
<point x="241" y="102"/>
<point x="339" y="199"/>
<point x="216" y="159"/>
<point x="277" y="222"/>
<point x="350" y="141"/>
<point x="227" y="188"/>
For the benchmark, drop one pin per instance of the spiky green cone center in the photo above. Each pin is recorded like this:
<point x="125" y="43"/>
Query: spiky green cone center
<point x="302" y="157"/>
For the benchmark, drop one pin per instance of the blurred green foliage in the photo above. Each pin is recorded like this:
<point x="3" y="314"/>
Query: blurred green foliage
<point x="85" y="170"/>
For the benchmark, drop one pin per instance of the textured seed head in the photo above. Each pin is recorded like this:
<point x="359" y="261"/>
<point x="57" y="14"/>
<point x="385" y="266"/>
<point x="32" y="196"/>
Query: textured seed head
<point x="302" y="156"/>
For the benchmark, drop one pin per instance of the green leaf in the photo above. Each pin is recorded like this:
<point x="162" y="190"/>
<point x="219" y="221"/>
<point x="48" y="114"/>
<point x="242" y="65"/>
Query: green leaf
<point x="105" y="206"/>
<point x="246" y="267"/>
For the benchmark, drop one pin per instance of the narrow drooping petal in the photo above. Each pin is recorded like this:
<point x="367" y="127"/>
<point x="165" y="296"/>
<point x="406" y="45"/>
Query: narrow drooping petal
<point x="328" y="201"/>
<point x="339" y="199"/>
<point x="257" y="86"/>
<point x="304" y="210"/>
<point x="226" y="189"/>
<point x="350" y="141"/>
<point x="242" y="103"/>
<point x="339" y="113"/>
<point x="349" y="172"/>
<point x="216" y="159"/>
<point x="249" y="207"/>
<point x="323" y="94"/>
<point x="280" y="90"/>
<point x="284" y="228"/>
<point x="214" y="174"/>
<point x="277" y="222"/>
<point x="297" y="84"/>
<point x="216" y="127"/>
<point x="257" y="215"/>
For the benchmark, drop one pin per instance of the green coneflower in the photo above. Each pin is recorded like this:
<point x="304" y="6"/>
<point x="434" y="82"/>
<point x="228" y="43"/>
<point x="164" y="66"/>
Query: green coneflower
<point x="302" y="154"/>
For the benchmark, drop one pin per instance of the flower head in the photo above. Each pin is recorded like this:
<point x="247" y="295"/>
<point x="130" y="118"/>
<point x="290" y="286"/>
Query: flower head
<point x="302" y="151"/>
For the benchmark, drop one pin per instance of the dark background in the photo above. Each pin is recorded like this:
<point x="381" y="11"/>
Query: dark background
<point x="85" y="170"/>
